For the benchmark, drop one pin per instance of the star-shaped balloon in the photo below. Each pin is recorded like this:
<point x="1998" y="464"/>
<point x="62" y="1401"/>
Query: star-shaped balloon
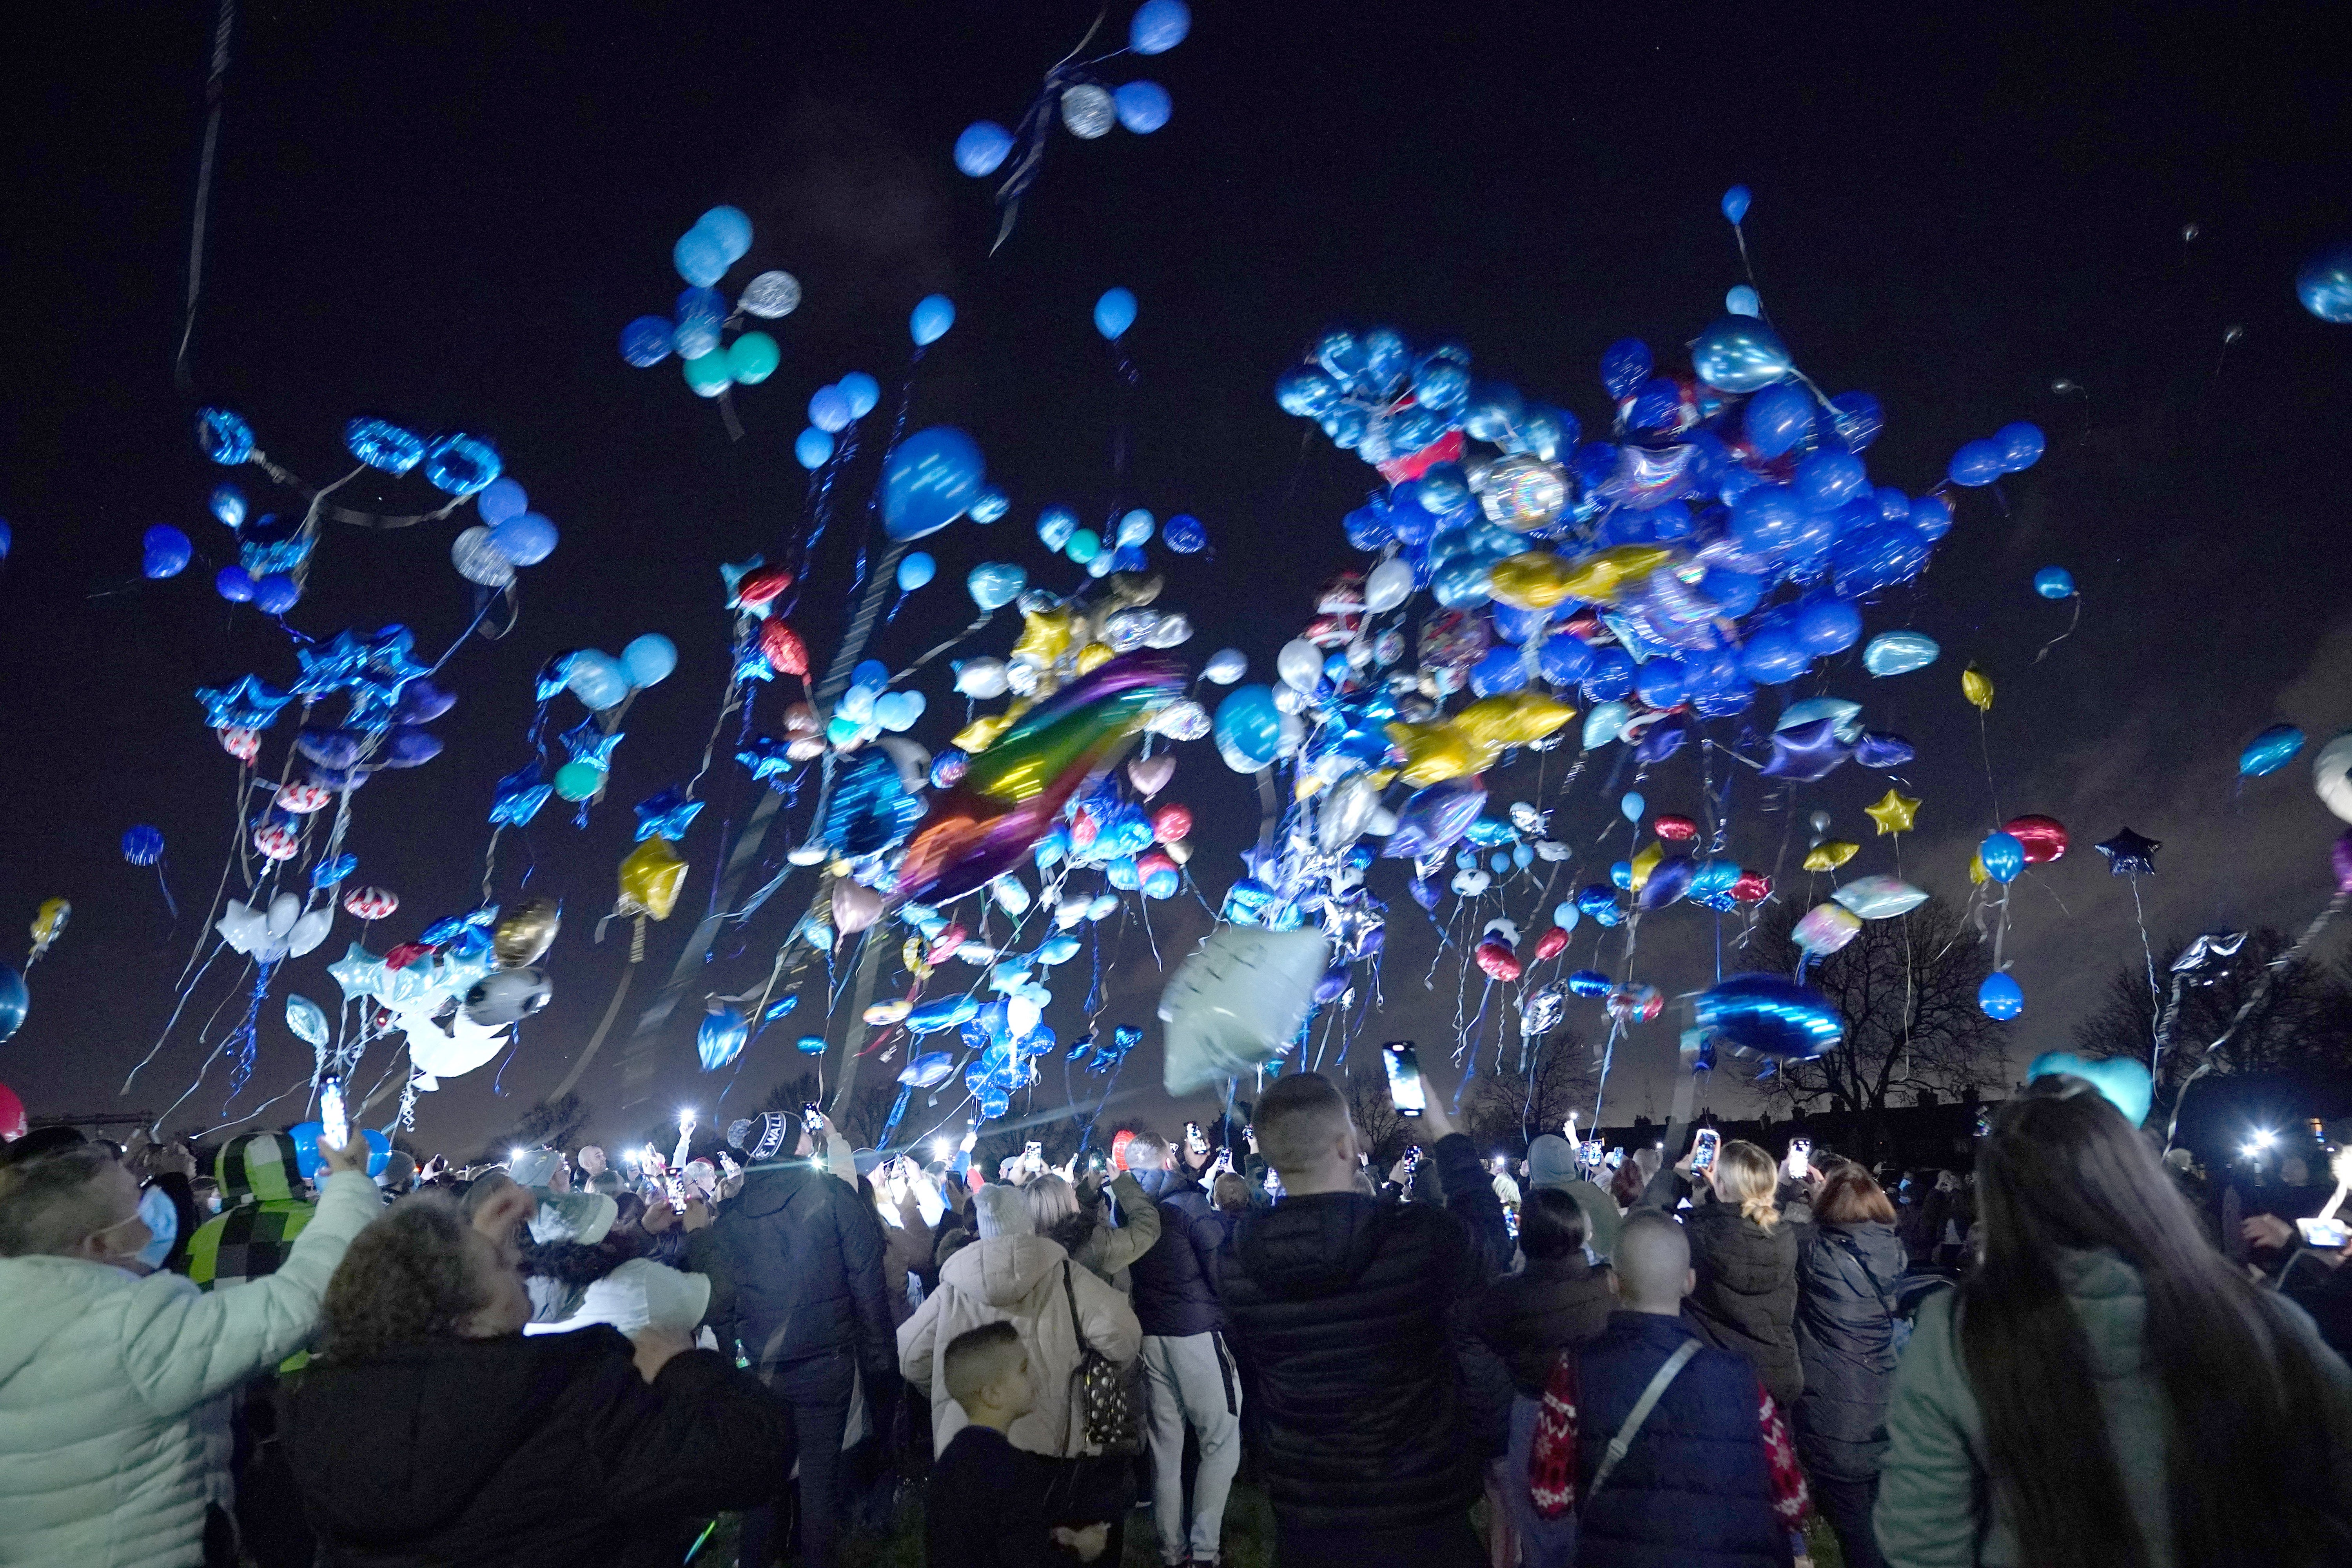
<point x="751" y="664"/>
<point x="521" y="794"/>
<point x="330" y="666"/>
<point x="668" y="814"/>
<point x="2129" y="855"/>
<point x="388" y="654"/>
<point x="250" y="704"/>
<point x="768" y="758"/>
<point x="330" y="872"/>
<point x="587" y="743"/>
<point x="1805" y="752"/>
<point x="359" y="972"/>
<point x="1893" y="812"/>
<point x="549" y="683"/>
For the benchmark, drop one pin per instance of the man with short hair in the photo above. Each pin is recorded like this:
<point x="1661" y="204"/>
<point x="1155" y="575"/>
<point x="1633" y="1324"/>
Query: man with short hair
<point x="1345" y="1306"/>
<point x="1709" y="1475"/>
<point x="1189" y="1379"/>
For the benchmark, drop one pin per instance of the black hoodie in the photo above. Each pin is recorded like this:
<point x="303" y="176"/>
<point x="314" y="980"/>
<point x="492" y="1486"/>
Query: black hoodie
<point x="518" y="1452"/>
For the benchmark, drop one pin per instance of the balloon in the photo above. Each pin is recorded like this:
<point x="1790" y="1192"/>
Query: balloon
<point x="165" y="551"/>
<point x="142" y="846"/>
<point x="1237" y="1002"/>
<point x="235" y="584"/>
<point x="1899" y="653"/>
<point x="525" y="540"/>
<point x="1300" y="665"/>
<point x="915" y="569"/>
<point x="648" y="661"/>
<point x="2043" y="839"/>
<point x="651" y="877"/>
<point x="1742" y="300"/>
<point x="1184" y="534"/>
<point x="1434" y="819"/>
<point x="2002" y="855"/>
<point x="812" y="448"/>
<point x="1114" y="313"/>
<point x="1387" y="585"/>
<point x="223" y="436"/>
<point x="700" y="257"/>
<point x="865" y="393"/>
<point x="1158" y="25"/>
<point x="982" y="148"/>
<point x="2129" y="855"/>
<point x="1893" y="811"/>
<point x="1735" y="202"/>
<point x="995" y="583"/>
<point x="14" y="999"/>
<point x="2054" y="582"/>
<point x="2269" y="752"/>
<point x="598" y="680"/>
<point x="14" y="1123"/>
<point x="1143" y="106"/>
<point x="370" y="903"/>
<point x="524" y="936"/>
<point x="768" y="296"/>
<point x="1228" y="665"/>
<point x="1830" y="854"/>
<point x="2000" y="997"/>
<point x="810" y="1045"/>
<point x="1976" y="687"/>
<point x="752" y="358"/>
<point x="1880" y="897"/>
<point x="645" y="341"/>
<point x="720" y="1039"/>
<point x="707" y="373"/>
<point x="2331" y="776"/>
<point x="275" y="593"/>
<point x="1976" y="464"/>
<point x="1769" y="1015"/>
<point x="1087" y="112"/>
<point x="1777" y="418"/>
<point x="1826" y="927"/>
<point x="932" y="316"/>
<point x="2123" y="1080"/>
<point x="2324" y="284"/>
<point x="927" y="480"/>
<point x="307" y="1020"/>
<point x="1740" y="354"/>
<point x="1249" y="728"/>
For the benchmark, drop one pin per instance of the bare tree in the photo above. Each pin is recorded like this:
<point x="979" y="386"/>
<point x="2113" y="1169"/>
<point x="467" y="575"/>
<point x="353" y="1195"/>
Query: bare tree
<point x="2302" y="1021"/>
<point x="1906" y="988"/>
<point x="1385" y="1133"/>
<point x="555" y="1122"/>
<point x="1522" y="1104"/>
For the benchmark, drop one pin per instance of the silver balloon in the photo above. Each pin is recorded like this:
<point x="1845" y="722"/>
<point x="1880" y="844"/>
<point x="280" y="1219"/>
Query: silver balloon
<point x="1225" y="667"/>
<point x="1175" y="630"/>
<point x="770" y="295"/>
<point x="1185" y="720"/>
<point x="507" y="996"/>
<point x="1089" y="112"/>
<point x="1126" y="630"/>
<point x="1522" y="493"/>
<point x="1345" y="812"/>
<point x="2331" y="776"/>
<point x="1541" y="1010"/>
<point x="480" y="561"/>
<point x="980" y="678"/>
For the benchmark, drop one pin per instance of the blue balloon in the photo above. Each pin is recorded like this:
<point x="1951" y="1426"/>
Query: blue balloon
<point x="1879" y="556"/>
<point x="1564" y="660"/>
<point x="2021" y="446"/>
<point x="1612" y="674"/>
<point x="2054" y="582"/>
<point x="1858" y="418"/>
<point x="165" y="551"/>
<point x="1742" y="300"/>
<point x="458" y="464"/>
<point x="234" y="584"/>
<point x="862" y="391"/>
<point x="995" y="583"/>
<point x="1503" y="669"/>
<point x="1770" y="1016"/>
<point x="228" y="504"/>
<point x="1625" y="365"/>
<point x="1143" y="106"/>
<point x="933" y="315"/>
<point x="720" y="1039"/>
<point x="1183" y="534"/>
<point x="1976" y="464"/>
<point x="500" y="499"/>
<point x="14" y="999"/>
<point x="812" y="448"/>
<point x="810" y="1045"/>
<point x="649" y="659"/>
<point x="1932" y="515"/>
<point x="1768" y="518"/>
<point x="1740" y="354"/>
<point x="2324" y="284"/>
<point x="828" y="410"/>
<point x="696" y="320"/>
<point x="223" y="436"/>
<point x="700" y="257"/>
<point x="730" y="227"/>
<point x="1777" y="419"/>
<point x="275" y="593"/>
<point x="1159" y="27"/>
<point x="2000" y="997"/>
<point x="1735" y="202"/>
<point x="381" y="444"/>
<point x="1114" y="313"/>
<point x="1773" y="657"/>
<point x="927" y="480"/>
<point x="143" y="845"/>
<point x="526" y="539"/>
<point x="1829" y="478"/>
<point x="1827" y="624"/>
<point x="1249" y="728"/>
<point x="2003" y="855"/>
<point x="1662" y="682"/>
<point x="982" y="148"/>
<point x="1899" y="653"/>
<point x="990" y="505"/>
<point x="645" y="341"/>
<point x="915" y="569"/>
<point x="2265" y="753"/>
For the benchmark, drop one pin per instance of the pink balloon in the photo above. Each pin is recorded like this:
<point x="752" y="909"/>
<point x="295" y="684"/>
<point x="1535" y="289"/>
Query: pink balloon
<point x="1151" y="775"/>
<point x="855" y="907"/>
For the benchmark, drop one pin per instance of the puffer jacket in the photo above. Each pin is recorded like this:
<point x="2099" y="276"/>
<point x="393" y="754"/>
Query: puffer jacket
<point x="1745" y="1299"/>
<point x="796" y="1261"/>
<point x="114" y="1435"/>
<point x="1344" y="1307"/>
<point x="1176" y="1281"/>
<point x="1528" y="1318"/>
<point x="262" y="1211"/>
<point x="1846" y="1279"/>
<point x="1936" y="1505"/>
<point x="1019" y="1279"/>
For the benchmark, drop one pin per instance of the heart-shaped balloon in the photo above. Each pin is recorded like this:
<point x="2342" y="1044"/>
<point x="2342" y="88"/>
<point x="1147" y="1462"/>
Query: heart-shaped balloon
<point x="1151" y="775"/>
<point x="2122" y="1079"/>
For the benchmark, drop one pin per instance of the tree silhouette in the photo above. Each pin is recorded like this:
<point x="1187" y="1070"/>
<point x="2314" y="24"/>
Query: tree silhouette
<point x="2303" y="1022"/>
<point x="1517" y="1106"/>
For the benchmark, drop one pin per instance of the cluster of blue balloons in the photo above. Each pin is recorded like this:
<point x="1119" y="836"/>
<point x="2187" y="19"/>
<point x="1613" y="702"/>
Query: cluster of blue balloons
<point x="1089" y="109"/>
<point x="695" y="328"/>
<point x="833" y="408"/>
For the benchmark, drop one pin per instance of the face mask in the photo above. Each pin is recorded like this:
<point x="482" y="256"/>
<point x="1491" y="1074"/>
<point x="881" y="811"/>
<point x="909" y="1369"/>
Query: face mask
<point x="155" y="1208"/>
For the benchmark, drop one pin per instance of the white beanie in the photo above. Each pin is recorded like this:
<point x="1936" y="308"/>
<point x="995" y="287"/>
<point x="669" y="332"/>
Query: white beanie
<point x="999" y="1211"/>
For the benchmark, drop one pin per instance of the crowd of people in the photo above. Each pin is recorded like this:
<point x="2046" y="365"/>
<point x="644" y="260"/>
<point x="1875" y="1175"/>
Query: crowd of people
<point x="2075" y="1353"/>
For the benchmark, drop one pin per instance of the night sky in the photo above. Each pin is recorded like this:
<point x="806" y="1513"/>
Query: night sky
<point x="445" y="213"/>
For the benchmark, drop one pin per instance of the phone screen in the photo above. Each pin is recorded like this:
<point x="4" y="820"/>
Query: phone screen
<point x="1403" y="1066"/>
<point x="1703" y="1152"/>
<point x="1801" y="1157"/>
<point x="812" y="1118"/>
<point x="2325" y="1233"/>
<point x="1593" y="1153"/>
<point x="334" y="1124"/>
<point x="1193" y="1140"/>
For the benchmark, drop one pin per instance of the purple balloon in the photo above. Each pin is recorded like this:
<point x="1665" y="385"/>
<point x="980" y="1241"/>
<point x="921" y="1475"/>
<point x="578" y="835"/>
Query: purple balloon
<point x="1435" y="817"/>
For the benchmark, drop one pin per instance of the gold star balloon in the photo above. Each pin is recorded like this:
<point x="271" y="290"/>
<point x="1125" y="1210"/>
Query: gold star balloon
<point x="1893" y="812"/>
<point x="1976" y="687"/>
<point x="1830" y="854"/>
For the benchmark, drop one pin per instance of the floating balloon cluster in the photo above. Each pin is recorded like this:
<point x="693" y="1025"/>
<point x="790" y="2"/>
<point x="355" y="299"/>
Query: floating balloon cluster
<point x="696" y="330"/>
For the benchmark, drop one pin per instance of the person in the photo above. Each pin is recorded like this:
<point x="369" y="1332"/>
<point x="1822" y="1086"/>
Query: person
<point x="1190" y="1380"/>
<point x="990" y="1505"/>
<point x="1710" y="1477"/>
<point x="1551" y="1163"/>
<point x="1077" y="1217"/>
<point x="1232" y="1195"/>
<point x="1745" y="1299"/>
<point x="1626" y="1187"/>
<point x="114" y="1443"/>
<point x="2103" y="1386"/>
<point x="1849" y="1268"/>
<point x="1346" y="1307"/>
<point x="585" y="1445"/>
<point x="796" y="1265"/>
<point x="597" y="1169"/>
<point x="264" y="1207"/>
<point x="1010" y="1273"/>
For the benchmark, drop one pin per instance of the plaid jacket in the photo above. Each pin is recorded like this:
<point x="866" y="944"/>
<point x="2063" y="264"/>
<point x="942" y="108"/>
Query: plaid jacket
<point x="260" y="1212"/>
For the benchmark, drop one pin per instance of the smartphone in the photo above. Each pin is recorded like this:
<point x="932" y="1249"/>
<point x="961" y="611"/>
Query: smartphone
<point x="1034" y="1153"/>
<point x="1594" y="1155"/>
<point x="1194" y="1140"/>
<point x="334" y="1124"/>
<point x="1703" y="1152"/>
<point x="1800" y="1158"/>
<point x="1097" y="1160"/>
<point x="813" y="1118"/>
<point x="1403" y="1066"/>
<point x="676" y="1191"/>
<point x="2325" y="1233"/>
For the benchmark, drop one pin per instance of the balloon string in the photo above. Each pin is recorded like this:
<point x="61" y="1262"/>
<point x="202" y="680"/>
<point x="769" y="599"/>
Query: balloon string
<point x="169" y="902"/>
<point x="2155" y="995"/>
<point x="2062" y="637"/>
<point x="213" y="94"/>
<point x="1984" y="750"/>
<point x="2271" y="971"/>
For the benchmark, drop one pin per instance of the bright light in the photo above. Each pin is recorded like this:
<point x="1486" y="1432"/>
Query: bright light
<point x="686" y="1117"/>
<point x="513" y="1155"/>
<point x="941" y="1148"/>
<point x="2264" y="1138"/>
<point x="630" y="1155"/>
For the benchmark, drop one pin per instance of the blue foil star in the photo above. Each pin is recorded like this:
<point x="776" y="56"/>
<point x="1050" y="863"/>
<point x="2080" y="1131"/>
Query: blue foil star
<point x="250" y="704"/>
<point x="521" y="794"/>
<point x="668" y="814"/>
<point x="769" y="760"/>
<point x="388" y="655"/>
<point x="330" y="666"/>
<point x="587" y="743"/>
<point x="751" y="664"/>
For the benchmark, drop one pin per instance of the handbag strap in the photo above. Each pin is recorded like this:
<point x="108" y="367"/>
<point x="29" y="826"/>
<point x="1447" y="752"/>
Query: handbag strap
<point x="1070" y="1294"/>
<point x="1620" y="1444"/>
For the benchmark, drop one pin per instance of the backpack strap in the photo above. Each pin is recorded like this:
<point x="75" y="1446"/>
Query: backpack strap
<point x="1624" y="1441"/>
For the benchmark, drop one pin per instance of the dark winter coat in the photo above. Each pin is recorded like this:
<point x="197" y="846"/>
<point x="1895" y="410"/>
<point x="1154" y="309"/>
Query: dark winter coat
<point x="1695" y="1489"/>
<point x="1528" y="1318"/>
<point x="1846" y="1279"/>
<point x="523" y="1451"/>
<point x="1175" y="1282"/>
<point x="1343" y="1306"/>
<point x="801" y="1273"/>
<point x="1745" y="1299"/>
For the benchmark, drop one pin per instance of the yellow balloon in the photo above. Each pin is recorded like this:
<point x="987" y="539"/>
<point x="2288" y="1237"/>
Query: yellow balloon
<point x="1531" y="580"/>
<point x="981" y="734"/>
<point x="1646" y="862"/>
<point x="1976" y="872"/>
<point x="1045" y="634"/>
<point x="886" y="1013"/>
<point x="49" y="923"/>
<point x="1536" y="714"/>
<point x="1598" y="575"/>
<point x="1434" y="753"/>
<point x="650" y="880"/>
<point x="1976" y="687"/>
<point x="1093" y="655"/>
<point x="1893" y="812"/>
<point x="525" y="935"/>
<point x="1830" y="854"/>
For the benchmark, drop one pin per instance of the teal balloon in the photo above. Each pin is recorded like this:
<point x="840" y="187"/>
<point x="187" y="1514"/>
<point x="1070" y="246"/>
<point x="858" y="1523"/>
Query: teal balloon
<point x="916" y="568"/>
<point x="2003" y="855"/>
<point x="2123" y="1080"/>
<point x="753" y="358"/>
<point x="1740" y="354"/>
<point x="810" y="1045"/>
<point x="933" y="315"/>
<point x="2000" y="997"/>
<point x="928" y="481"/>
<point x="1114" y="313"/>
<point x="1899" y="653"/>
<point x="1248" y="728"/>
<point x="2325" y="284"/>
<point x="995" y="583"/>
<point x="2054" y="582"/>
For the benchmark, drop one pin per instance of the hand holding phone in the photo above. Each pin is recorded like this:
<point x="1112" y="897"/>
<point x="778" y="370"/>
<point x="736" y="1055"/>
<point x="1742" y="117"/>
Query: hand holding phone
<point x="2327" y="1235"/>
<point x="1405" y="1090"/>
<point x="1703" y="1150"/>
<point x="1800" y="1158"/>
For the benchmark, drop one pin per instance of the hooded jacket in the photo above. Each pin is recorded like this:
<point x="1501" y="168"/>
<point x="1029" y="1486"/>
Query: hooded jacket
<point x="114" y="1434"/>
<point x="1344" y="1308"/>
<point x="1846" y="1281"/>
<point x="1019" y="1279"/>
<point x="262" y="1211"/>
<point x="1747" y="1295"/>
<point x="1176" y="1281"/>
<point x="1551" y="1163"/>
<point x="796" y="1265"/>
<point x="523" y="1451"/>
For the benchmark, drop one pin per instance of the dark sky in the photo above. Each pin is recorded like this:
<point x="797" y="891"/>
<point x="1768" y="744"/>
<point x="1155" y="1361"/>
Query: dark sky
<point x="446" y="212"/>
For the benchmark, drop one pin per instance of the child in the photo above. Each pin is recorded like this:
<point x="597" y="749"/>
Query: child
<point x="988" y="1499"/>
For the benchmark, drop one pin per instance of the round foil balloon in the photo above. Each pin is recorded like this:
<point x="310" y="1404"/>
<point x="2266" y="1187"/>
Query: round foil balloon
<point x="1771" y="1015"/>
<point x="528" y="932"/>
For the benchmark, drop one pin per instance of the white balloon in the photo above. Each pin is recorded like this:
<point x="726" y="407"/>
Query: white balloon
<point x="1010" y="893"/>
<point x="1300" y="664"/>
<point x="1345" y="813"/>
<point x="1294" y="733"/>
<point x="1470" y="884"/>
<point x="1225" y="666"/>
<point x="1237" y="1002"/>
<point x="477" y="560"/>
<point x="284" y="910"/>
<point x="1022" y="1017"/>
<point x="1384" y="822"/>
<point x="1388" y="584"/>
<point x="1089" y="112"/>
<point x="308" y="932"/>
<point x="1288" y="699"/>
<point x="1175" y="630"/>
<point x="2331" y="776"/>
<point x="1070" y="911"/>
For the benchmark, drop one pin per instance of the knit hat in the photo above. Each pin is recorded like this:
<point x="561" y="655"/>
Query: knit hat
<point x="535" y="1167"/>
<point x="584" y="1217"/>
<point x="1551" y="1162"/>
<point x="258" y="1167"/>
<point x="1000" y="1211"/>
<point x="769" y="1136"/>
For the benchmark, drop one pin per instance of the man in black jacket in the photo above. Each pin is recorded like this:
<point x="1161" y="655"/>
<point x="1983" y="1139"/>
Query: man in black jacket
<point x="1346" y="1306"/>
<point x="797" y="1283"/>
<point x="1188" y="1371"/>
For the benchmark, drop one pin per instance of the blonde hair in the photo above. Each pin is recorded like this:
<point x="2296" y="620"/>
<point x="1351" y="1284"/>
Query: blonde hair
<point x="1746" y="1175"/>
<point x="1050" y="1201"/>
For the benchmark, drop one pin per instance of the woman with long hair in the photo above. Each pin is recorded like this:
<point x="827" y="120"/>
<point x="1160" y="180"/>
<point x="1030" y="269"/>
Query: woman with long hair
<point x="1745" y="1260"/>
<point x="1078" y="1218"/>
<point x="1849" y="1263"/>
<point x="2103" y="1389"/>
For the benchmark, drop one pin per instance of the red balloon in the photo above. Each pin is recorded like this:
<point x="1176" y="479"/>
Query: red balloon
<point x="1119" y="1143"/>
<point x="13" y="1121"/>
<point x="783" y="648"/>
<point x="1499" y="961"/>
<point x="406" y="953"/>
<point x="762" y="586"/>
<point x="1551" y="945"/>
<point x="1751" y="885"/>
<point x="242" y="744"/>
<point x="2045" y="837"/>
<point x="370" y="903"/>
<point x="943" y="946"/>
<point x="1171" y="823"/>
<point x="1673" y="828"/>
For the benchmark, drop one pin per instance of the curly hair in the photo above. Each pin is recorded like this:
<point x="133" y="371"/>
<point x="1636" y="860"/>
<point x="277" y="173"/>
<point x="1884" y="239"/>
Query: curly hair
<point x="405" y="1280"/>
